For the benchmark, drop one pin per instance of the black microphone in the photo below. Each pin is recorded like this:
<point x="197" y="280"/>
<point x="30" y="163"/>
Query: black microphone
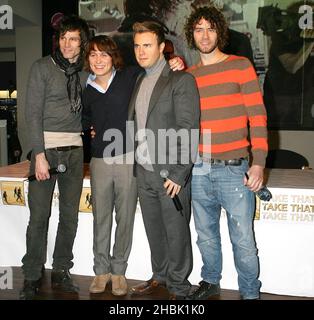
<point x="177" y="203"/>
<point x="60" y="169"/>
<point x="263" y="193"/>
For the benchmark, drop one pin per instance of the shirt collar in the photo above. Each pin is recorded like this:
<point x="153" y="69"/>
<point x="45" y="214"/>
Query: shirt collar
<point x="157" y="67"/>
<point x="91" y="81"/>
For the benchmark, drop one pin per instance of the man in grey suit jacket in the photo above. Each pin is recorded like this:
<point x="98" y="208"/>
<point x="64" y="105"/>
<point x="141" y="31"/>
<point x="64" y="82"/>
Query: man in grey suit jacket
<point x="165" y="105"/>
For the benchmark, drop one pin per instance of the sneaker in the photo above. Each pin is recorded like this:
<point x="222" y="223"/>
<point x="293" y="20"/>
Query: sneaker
<point x="99" y="283"/>
<point x="61" y="280"/>
<point x="30" y="289"/>
<point x="204" y="291"/>
<point x="119" y="285"/>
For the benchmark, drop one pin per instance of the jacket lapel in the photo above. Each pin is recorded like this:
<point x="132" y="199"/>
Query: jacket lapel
<point x="158" y="89"/>
<point x="131" y="109"/>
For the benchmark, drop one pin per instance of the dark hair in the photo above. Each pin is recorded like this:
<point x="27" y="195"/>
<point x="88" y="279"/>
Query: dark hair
<point x="168" y="49"/>
<point x="74" y="23"/>
<point x="106" y="44"/>
<point x="214" y="17"/>
<point x="150" y="26"/>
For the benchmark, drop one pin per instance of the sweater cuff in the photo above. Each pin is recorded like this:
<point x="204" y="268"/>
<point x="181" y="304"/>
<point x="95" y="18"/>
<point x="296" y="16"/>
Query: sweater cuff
<point x="259" y="158"/>
<point x="38" y="149"/>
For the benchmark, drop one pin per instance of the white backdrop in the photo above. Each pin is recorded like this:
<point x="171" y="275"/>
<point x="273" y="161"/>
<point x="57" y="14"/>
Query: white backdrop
<point x="284" y="238"/>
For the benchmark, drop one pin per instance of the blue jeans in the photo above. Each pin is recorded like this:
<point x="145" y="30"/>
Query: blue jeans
<point x="215" y="186"/>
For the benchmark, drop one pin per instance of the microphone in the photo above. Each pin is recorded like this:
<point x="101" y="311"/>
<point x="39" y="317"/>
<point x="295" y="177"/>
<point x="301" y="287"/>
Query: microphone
<point x="60" y="169"/>
<point x="263" y="193"/>
<point x="177" y="203"/>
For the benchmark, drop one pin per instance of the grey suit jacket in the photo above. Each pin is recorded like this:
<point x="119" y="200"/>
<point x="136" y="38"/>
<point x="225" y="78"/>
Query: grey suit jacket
<point x="174" y="104"/>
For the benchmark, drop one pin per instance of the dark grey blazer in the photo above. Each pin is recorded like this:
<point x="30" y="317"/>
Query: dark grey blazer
<point x="174" y="104"/>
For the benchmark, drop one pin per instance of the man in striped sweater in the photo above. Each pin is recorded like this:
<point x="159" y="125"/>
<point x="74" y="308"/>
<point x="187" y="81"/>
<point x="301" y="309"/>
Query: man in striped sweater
<point x="233" y="124"/>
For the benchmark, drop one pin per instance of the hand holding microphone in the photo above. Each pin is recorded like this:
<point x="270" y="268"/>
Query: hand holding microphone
<point x="60" y="169"/>
<point x="263" y="193"/>
<point x="164" y="174"/>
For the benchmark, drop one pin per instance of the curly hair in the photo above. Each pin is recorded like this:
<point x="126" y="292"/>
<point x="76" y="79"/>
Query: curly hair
<point x="214" y="17"/>
<point x="106" y="44"/>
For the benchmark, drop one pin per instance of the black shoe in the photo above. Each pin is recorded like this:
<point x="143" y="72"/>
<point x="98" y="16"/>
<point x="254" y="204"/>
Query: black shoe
<point x="204" y="291"/>
<point x="30" y="289"/>
<point x="61" y="280"/>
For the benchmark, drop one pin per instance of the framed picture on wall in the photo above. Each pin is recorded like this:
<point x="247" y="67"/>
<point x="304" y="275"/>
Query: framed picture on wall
<point x="103" y="16"/>
<point x="282" y="52"/>
<point x="283" y="57"/>
<point x="52" y="12"/>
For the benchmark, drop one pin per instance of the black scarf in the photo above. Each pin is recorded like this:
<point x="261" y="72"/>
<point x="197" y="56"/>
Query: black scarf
<point x="71" y="72"/>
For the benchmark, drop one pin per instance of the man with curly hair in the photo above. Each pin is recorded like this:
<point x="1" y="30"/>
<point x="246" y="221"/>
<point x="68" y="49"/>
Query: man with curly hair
<point x="231" y="105"/>
<point x="53" y="113"/>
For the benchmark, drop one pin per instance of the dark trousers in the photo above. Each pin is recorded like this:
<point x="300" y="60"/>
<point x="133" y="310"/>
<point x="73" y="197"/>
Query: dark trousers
<point x="167" y="231"/>
<point x="39" y="200"/>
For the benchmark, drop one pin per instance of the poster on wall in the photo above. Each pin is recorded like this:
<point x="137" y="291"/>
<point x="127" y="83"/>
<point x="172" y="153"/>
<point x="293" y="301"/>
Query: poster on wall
<point x="281" y="51"/>
<point x="118" y="16"/>
<point x="289" y="80"/>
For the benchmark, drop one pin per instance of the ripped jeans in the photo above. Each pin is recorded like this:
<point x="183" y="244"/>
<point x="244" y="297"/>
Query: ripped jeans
<point x="215" y="186"/>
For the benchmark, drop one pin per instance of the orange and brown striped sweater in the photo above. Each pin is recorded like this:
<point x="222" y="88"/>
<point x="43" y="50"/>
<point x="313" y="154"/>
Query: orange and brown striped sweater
<point x="231" y="109"/>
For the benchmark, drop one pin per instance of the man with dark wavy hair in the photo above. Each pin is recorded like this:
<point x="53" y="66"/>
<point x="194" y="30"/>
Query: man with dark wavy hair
<point x="231" y="104"/>
<point x="53" y="113"/>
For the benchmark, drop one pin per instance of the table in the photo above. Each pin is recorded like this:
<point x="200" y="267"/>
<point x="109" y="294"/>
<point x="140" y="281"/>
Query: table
<point x="284" y="232"/>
